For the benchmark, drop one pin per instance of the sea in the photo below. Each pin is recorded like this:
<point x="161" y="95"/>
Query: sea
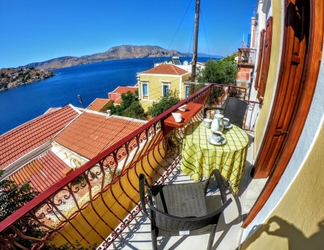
<point x="78" y="85"/>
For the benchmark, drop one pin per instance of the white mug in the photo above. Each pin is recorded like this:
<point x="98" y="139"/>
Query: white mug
<point x="177" y="117"/>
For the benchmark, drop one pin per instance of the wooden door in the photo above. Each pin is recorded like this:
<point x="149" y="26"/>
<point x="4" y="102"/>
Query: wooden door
<point x="289" y="85"/>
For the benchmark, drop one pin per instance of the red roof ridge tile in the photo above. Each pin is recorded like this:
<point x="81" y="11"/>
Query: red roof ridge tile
<point x="166" y="68"/>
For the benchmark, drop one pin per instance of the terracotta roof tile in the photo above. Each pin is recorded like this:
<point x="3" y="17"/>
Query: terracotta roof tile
<point x="99" y="104"/>
<point x="92" y="133"/>
<point x="28" y="136"/>
<point x="123" y="89"/>
<point x="42" y="172"/>
<point x="166" y="69"/>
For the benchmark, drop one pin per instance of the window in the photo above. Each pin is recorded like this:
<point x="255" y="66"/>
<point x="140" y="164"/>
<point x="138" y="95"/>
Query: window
<point x="144" y="90"/>
<point x="165" y="89"/>
<point x="187" y="90"/>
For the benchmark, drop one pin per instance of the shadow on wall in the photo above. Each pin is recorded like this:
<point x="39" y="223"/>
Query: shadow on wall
<point x="295" y="237"/>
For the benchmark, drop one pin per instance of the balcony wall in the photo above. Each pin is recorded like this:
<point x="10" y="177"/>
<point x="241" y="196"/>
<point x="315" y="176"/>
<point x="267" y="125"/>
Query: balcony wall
<point x="95" y="203"/>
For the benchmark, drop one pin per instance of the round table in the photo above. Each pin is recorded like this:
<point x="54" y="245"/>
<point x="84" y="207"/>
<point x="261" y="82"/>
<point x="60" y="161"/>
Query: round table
<point x="199" y="157"/>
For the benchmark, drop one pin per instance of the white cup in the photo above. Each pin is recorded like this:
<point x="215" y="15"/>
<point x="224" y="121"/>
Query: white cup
<point x="217" y="136"/>
<point x="177" y="117"/>
<point x="183" y="108"/>
<point x="207" y="122"/>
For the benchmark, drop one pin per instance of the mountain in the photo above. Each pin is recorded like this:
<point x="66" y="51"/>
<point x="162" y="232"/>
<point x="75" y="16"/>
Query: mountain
<point x="118" y="52"/>
<point x="204" y="55"/>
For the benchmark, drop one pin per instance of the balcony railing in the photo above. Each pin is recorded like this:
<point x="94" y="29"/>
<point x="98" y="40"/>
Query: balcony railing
<point x="95" y="203"/>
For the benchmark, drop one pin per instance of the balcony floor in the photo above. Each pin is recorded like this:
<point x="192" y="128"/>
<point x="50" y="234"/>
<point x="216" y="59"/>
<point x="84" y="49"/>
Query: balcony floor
<point x="228" y="232"/>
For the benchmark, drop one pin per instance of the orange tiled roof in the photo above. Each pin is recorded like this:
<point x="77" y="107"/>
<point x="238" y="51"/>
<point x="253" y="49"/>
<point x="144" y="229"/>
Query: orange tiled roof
<point x="98" y="104"/>
<point x="166" y="69"/>
<point x="91" y="133"/>
<point x="42" y="172"/>
<point x="124" y="90"/>
<point x="21" y="140"/>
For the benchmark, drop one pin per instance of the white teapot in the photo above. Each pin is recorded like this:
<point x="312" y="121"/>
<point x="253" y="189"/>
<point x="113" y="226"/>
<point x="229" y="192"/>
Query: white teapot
<point x="218" y="123"/>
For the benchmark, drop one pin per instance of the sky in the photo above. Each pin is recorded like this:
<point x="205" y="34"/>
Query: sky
<point x="40" y="30"/>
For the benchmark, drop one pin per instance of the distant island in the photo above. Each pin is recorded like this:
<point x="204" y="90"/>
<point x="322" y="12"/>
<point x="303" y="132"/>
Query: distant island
<point x="114" y="53"/>
<point x="12" y="77"/>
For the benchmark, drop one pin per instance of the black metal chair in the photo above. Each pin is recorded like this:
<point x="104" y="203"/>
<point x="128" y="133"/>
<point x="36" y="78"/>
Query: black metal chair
<point x="180" y="209"/>
<point x="234" y="109"/>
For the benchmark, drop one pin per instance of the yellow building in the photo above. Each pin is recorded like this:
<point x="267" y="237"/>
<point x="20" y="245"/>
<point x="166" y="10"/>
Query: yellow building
<point x="159" y="81"/>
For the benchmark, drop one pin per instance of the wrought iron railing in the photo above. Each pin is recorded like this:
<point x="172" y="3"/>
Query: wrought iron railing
<point x="95" y="203"/>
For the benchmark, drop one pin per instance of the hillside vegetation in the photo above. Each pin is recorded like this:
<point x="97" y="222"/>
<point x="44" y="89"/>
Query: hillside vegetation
<point x="13" y="77"/>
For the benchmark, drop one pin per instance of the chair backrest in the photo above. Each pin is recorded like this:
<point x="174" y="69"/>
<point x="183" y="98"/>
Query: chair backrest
<point x="162" y="220"/>
<point x="235" y="110"/>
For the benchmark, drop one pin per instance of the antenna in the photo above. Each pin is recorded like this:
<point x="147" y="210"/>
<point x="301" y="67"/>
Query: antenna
<point x="80" y="100"/>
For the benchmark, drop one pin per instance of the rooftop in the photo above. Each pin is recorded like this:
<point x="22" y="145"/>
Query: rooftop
<point x="99" y="104"/>
<point x="91" y="133"/>
<point x="30" y="135"/>
<point x="166" y="69"/>
<point x="42" y="172"/>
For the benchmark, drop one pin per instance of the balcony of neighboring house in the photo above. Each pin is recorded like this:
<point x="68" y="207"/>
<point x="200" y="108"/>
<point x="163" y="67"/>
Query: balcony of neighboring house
<point x="246" y="57"/>
<point x="98" y="204"/>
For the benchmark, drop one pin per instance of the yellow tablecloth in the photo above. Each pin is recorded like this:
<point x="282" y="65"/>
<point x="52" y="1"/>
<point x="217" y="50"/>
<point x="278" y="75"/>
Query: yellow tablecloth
<point x="199" y="157"/>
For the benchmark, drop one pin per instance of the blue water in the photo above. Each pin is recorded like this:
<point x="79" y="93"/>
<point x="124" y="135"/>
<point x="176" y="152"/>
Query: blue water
<point x="91" y="81"/>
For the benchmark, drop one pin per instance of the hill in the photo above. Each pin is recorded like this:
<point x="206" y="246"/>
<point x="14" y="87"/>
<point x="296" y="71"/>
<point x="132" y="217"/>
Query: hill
<point x="13" y="77"/>
<point x="118" y="52"/>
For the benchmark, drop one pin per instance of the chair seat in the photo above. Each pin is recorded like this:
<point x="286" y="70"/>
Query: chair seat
<point x="181" y="201"/>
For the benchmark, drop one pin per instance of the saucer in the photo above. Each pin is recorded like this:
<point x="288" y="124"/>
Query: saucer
<point x="228" y="126"/>
<point x="211" y="141"/>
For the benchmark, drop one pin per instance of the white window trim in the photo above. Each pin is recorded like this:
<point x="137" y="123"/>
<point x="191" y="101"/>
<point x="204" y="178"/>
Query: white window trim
<point x="166" y="84"/>
<point x="144" y="97"/>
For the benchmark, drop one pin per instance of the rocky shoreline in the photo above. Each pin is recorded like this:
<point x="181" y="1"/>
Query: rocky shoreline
<point x="13" y="77"/>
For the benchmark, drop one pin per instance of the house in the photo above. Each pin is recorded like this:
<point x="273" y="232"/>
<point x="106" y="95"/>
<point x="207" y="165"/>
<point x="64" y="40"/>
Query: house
<point x="116" y="94"/>
<point x="90" y="134"/>
<point x="159" y="81"/>
<point x="246" y="58"/>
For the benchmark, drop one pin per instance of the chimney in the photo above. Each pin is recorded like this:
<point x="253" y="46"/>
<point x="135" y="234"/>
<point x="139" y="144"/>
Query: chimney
<point x="108" y="113"/>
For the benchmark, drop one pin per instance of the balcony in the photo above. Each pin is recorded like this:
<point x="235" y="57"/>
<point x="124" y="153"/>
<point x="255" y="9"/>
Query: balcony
<point x="246" y="57"/>
<point x="97" y="205"/>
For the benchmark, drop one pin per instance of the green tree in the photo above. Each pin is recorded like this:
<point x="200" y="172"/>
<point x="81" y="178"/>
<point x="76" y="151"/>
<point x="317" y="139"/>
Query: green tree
<point x="163" y="104"/>
<point x="13" y="197"/>
<point x="130" y="106"/>
<point x="222" y="71"/>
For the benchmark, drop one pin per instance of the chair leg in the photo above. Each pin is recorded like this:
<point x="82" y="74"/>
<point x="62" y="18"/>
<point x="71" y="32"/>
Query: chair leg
<point x="154" y="239"/>
<point x="211" y="237"/>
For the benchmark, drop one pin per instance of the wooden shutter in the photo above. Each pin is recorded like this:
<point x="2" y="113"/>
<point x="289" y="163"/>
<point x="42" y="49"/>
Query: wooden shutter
<point x="261" y="48"/>
<point x="265" y="60"/>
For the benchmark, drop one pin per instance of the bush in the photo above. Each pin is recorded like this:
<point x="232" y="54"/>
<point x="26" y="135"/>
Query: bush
<point x="163" y="104"/>
<point x="222" y="71"/>
<point x="129" y="107"/>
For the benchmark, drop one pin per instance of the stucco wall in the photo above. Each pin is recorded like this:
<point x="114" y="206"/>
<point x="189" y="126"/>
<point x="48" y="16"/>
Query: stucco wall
<point x="293" y="217"/>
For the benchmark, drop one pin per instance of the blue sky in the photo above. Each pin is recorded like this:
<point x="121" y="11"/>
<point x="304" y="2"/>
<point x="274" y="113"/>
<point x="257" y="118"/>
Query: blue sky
<point x="39" y="30"/>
